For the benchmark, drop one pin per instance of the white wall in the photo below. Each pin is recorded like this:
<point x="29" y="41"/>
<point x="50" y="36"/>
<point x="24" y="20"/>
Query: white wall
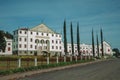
<point x="8" y="50"/>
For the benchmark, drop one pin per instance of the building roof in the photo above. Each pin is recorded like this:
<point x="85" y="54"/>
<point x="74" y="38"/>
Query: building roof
<point x="42" y="28"/>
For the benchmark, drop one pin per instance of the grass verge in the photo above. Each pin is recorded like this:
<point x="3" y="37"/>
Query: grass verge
<point x="18" y="70"/>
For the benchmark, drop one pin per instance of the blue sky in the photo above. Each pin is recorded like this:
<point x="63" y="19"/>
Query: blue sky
<point x="90" y="14"/>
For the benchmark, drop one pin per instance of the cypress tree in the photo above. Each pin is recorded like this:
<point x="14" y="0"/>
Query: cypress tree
<point x="72" y="43"/>
<point x="101" y="34"/>
<point x="65" y="38"/>
<point x="93" y="48"/>
<point x="97" y="45"/>
<point x="78" y="40"/>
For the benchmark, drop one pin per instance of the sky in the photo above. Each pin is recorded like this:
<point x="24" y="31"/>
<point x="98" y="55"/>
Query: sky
<point x="91" y="14"/>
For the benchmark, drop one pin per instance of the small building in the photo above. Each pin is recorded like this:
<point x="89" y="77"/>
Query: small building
<point x="8" y="49"/>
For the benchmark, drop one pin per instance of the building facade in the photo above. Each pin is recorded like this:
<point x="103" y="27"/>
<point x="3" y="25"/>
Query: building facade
<point x="86" y="49"/>
<point x="37" y="41"/>
<point x="41" y="40"/>
<point x="8" y="49"/>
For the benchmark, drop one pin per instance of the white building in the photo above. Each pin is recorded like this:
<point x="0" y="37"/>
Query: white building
<point x="36" y="41"/>
<point x="107" y="49"/>
<point x="41" y="39"/>
<point x="8" y="49"/>
<point x="86" y="49"/>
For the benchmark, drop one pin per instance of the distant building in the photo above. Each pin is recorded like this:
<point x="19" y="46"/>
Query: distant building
<point x="38" y="40"/>
<point x="86" y="49"/>
<point x="8" y="49"/>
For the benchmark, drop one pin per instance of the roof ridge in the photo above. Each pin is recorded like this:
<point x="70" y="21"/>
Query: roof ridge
<point x="42" y="28"/>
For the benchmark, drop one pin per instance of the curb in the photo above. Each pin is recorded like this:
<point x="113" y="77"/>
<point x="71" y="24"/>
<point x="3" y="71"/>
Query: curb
<point x="29" y="73"/>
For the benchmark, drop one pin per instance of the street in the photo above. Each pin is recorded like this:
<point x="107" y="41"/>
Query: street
<point x="105" y="70"/>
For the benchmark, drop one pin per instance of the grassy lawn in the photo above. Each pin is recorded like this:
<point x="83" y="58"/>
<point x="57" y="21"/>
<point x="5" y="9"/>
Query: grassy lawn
<point x="5" y="65"/>
<point x="11" y="62"/>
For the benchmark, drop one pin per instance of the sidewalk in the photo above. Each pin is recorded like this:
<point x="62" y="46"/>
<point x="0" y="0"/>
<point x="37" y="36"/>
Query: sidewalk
<point x="29" y="73"/>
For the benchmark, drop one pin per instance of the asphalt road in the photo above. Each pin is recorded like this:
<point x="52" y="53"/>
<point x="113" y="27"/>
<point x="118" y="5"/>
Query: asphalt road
<point x="106" y="70"/>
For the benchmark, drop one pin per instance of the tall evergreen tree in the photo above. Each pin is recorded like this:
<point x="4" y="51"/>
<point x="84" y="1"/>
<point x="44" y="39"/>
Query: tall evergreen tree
<point x="78" y="40"/>
<point x="65" y="38"/>
<point x="2" y="41"/>
<point x="97" y="45"/>
<point x="72" y="43"/>
<point x="101" y="34"/>
<point x="93" y="48"/>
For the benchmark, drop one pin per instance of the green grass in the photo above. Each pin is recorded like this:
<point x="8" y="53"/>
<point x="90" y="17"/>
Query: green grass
<point x="9" y="64"/>
<point x="44" y="66"/>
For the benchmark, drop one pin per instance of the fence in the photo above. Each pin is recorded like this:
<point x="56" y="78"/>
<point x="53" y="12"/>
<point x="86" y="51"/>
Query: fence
<point x="12" y="63"/>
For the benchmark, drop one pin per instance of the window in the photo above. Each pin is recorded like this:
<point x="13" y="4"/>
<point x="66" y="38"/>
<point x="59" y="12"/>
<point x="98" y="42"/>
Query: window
<point x="52" y="41"/>
<point x="36" y="33"/>
<point x="30" y="46"/>
<point x="91" y="51"/>
<point x="25" y="32"/>
<point x="20" y="45"/>
<point x="30" y="52"/>
<point x="25" y="46"/>
<point x="52" y="47"/>
<point x="20" y="32"/>
<point x="56" y="35"/>
<point x="42" y="34"/>
<point x="52" y="34"/>
<point x="42" y="41"/>
<point x="75" y="50"/>
<point x="70" y="51"/>
<point x="56" y="41"/>
<point x="9" y="49"/>
<point x="59" y="35"/>
<point x="59" y="42"/>
<point x="100" y="49"/>
<point x="25" y="39"/>
<point x="47" y="34"/>
<point x="56" y="47"/>
<point x="40" y="47"/>
<point x="9" y="44"/>
<point x="31" y="33"/>
<point x="36" y="41"/>
<point x="87" y="51"/>
<point x="80" y="51"/>
<point x="46" y="47"/>
<point x="60" y="47"/>
<point x="20" y="39"/>
<point x="47" y="42"/>
<point x="35" y="47"/>
<point x="31" y="39"/>
<point x="108" y="50"/>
